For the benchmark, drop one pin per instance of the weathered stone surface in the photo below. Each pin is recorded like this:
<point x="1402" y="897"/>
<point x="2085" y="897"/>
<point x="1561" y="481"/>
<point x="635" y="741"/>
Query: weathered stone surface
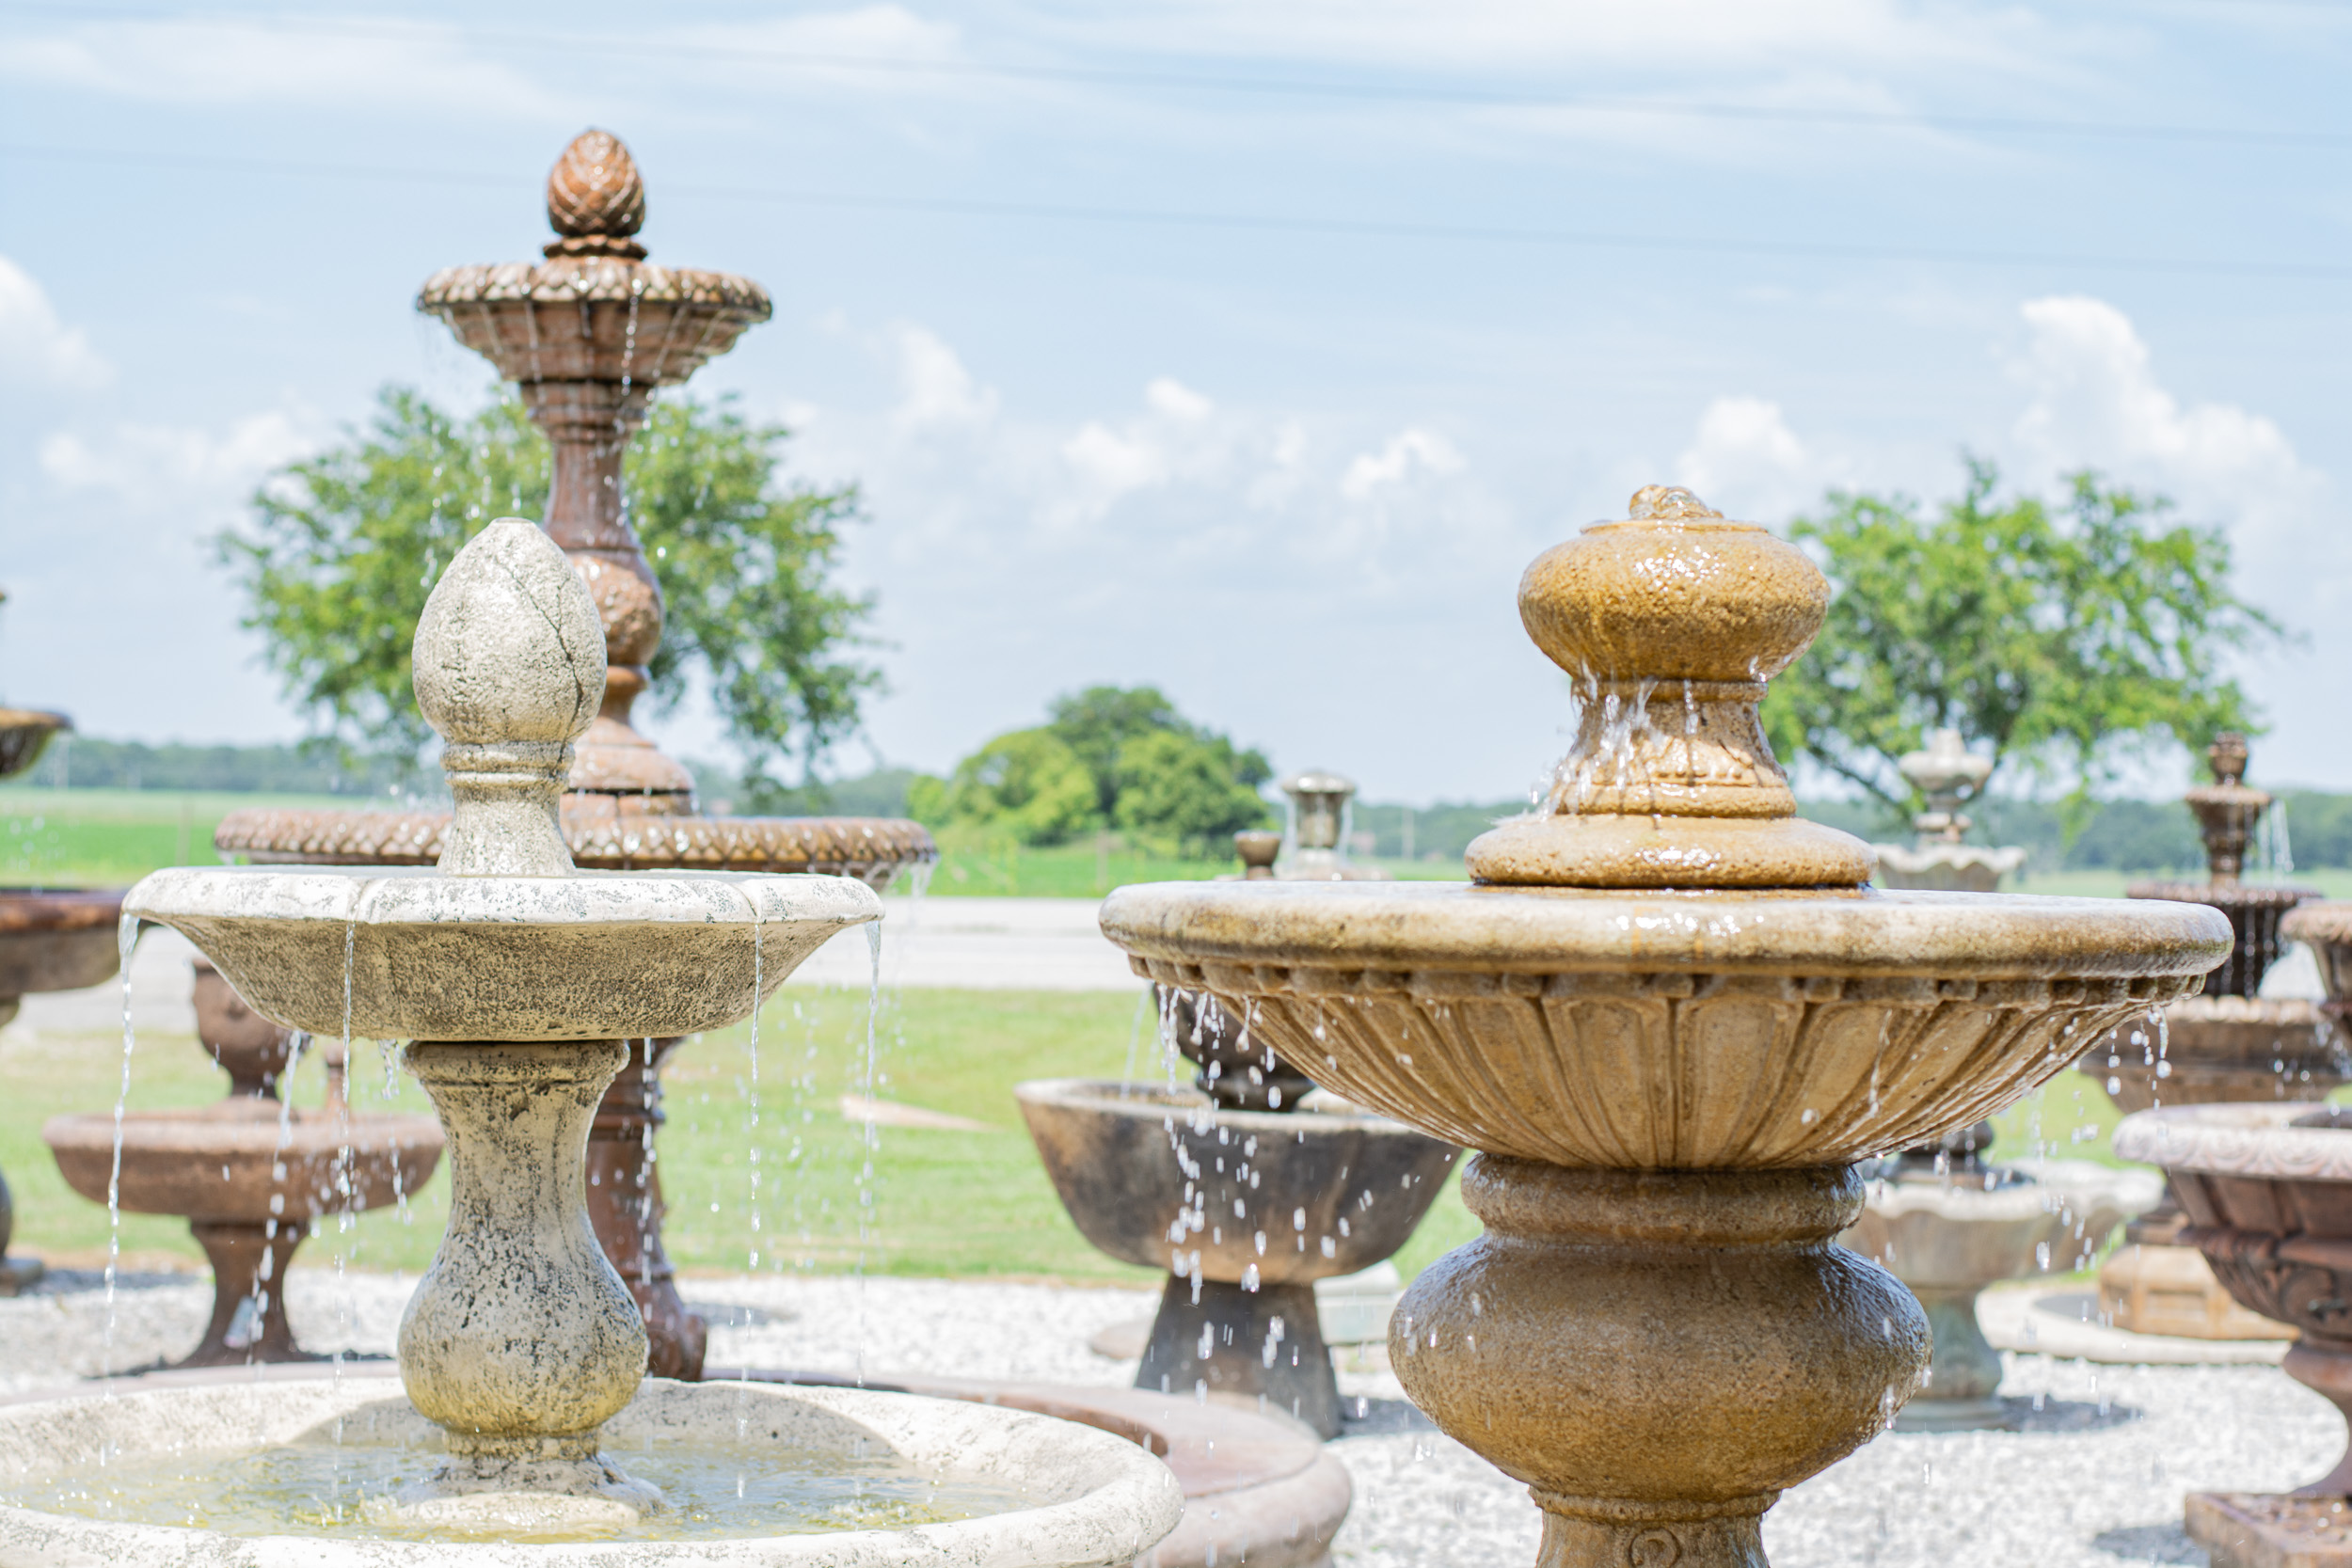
<point x="1098" y="1498"/>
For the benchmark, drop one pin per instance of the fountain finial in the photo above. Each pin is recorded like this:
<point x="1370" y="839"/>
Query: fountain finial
<point x="508" y="666"/>
<point x="1671" y="622"/>
<point x="595" y="198"/>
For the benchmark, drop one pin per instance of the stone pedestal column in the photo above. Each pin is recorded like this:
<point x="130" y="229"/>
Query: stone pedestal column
<point x="249" y="1258"/>
<point x="1657" y="1354"/>
<point x="522" y="1341"/>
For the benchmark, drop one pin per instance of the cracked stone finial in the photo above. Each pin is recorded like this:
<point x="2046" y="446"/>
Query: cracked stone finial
<point x="509" y="668"/>
<point x="595" y="198"/>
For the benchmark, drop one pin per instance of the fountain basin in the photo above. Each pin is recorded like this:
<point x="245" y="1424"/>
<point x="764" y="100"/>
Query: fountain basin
<point x="1665" y="1031"/>
<point x="235" y="1161"/>
<point x="54" y="941"/>
<point x="411" y="954"/>
<point x="1079" y="1497"/>
<point x="2221" y="1049"/>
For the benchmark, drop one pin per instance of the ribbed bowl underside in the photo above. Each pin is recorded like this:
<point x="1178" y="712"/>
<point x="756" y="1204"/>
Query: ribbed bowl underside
<point x="1666" y="1032"/>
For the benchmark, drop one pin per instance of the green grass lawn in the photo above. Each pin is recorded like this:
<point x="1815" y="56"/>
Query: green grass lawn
<point x="935" y="1203"/>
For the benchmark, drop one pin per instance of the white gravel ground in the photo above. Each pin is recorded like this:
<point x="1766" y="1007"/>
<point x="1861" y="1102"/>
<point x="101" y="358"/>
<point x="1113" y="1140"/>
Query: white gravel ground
<point x="2093" y="1479"/>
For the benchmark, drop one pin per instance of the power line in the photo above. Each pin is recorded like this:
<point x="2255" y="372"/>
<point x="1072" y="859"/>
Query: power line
<point x="1332" y="226"/>
<point x="1270" y="87"/>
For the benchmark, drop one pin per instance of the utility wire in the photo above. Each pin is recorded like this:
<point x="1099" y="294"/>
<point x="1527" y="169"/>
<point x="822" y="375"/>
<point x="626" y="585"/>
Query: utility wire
<point x="1270" y="87"/>
<point x="1336" y="226"/>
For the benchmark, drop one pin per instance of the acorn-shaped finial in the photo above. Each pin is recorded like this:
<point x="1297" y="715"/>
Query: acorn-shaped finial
<point x="595" y="198"/>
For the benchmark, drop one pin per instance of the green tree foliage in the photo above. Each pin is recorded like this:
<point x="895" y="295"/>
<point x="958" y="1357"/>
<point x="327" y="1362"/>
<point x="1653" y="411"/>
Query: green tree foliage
<point x="1111" y="757"/>
<point x="2063" y="640"/>
<point x="345" y="547"/>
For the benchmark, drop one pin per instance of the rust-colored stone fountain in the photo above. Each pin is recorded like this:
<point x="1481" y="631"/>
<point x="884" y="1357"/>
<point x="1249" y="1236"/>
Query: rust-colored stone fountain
<point x="252" y="1174"/>
<point x="588" y="335"/>
<point x="1671" y="1017"/>
<point x="50" y="940"/>
<point x="2228" y="1045"/>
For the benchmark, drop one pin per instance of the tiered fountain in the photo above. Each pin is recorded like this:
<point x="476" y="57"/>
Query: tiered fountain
<point x="1947" y="1222"/>
<point x="50" y="940"/>
<point x="251" y="1173"/>
<point x="517" y="981"/>
<point x="2231" y="1044"/>
<point x="588" y="335"/>
<point x="1949" y="775"/>
<point x="1671" y="1017"/>
<point x="1318" y="831"/>
<point x="1246" y="1189"/>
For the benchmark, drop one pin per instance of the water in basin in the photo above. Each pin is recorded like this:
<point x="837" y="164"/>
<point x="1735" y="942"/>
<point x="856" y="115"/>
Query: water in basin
<point x="342" y="1485"/>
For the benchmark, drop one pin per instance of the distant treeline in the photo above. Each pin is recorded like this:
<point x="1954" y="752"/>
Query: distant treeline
<point x="86" y="762"/>
<point x="2122" y="835"/>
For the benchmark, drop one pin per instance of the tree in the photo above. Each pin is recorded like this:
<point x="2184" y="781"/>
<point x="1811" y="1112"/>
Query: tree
<point x="1111" y="757"/>
<point x="345" y="547"/>
<point x="2063" y="641"/>
<point x="1026" y="782"/>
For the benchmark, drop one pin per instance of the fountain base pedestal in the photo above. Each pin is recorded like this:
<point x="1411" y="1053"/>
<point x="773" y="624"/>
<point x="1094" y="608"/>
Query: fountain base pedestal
<point x="1265" y="1343"/>
<point x="250" y="1259"/>
<point x="2258" y="1529"/>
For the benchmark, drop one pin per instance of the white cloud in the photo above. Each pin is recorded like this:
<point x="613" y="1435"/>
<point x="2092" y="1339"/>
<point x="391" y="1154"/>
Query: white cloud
<point x="158" y="466"/>
<point x="1746" y="462"/>
<point x="1409" y="453"/>
<point x="381" y="62"/>
<point x="37" y="348"/>
<point x="934" y="388"/>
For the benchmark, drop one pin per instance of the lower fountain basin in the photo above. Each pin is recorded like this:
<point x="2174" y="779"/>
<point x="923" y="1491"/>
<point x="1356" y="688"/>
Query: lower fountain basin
<point x="1033" y="1492"/>
<point x="237" y="1160"/>
<point x="55" y="941"/>
<point x="1281" y="1197"/>
<point x="2220" y="1050"/>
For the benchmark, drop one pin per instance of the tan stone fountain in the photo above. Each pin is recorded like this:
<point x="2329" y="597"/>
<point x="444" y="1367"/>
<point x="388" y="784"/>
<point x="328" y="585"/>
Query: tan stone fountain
<point x="1671" y="1017"/>
<point x="589" y="335"/>
<point x="517" y="981"/>
<point x="2228" y="1045"/>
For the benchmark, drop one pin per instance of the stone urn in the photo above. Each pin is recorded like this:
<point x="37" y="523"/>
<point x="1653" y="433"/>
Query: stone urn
<point x="1318" y="836"/>
<point x="1672" y="1018"/>
<point x="2267" y="1193"/>
<point x="588" y="335"/>
<point x="252" y="1174"/>
<point x="1947" y="1222"/>
<point x="2229" y="1044"/>
<point x="1949" y="774"/>
<point x="1245" y="1189"/>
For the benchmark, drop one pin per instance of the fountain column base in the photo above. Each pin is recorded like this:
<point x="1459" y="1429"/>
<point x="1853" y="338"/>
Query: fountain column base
<point x="1265" y="1343"/>
<point x="250" y="1259"/>
<point x="1658" y="1353"/>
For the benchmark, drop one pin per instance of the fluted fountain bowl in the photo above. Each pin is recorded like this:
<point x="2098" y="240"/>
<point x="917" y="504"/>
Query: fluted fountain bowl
<point x="401" y="953"/>
<point x="1669" y="1031"/>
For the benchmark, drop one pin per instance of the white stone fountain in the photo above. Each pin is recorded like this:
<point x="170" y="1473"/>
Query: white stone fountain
<point x="522" y="1353"/>
<point x="1949" y="775"/>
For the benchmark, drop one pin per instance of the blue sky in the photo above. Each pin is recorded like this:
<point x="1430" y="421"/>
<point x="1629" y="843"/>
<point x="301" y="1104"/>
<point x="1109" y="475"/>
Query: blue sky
<point x="1250" y="349"/>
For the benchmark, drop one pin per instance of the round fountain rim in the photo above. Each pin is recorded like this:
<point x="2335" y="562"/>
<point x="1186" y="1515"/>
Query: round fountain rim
<point x="1080" y="1093"/>
<point x="2245" y="1140"/>
<point x="1480" y="928"/>
<point x="1132" y="1504"/>
<point x="413" y="894"/>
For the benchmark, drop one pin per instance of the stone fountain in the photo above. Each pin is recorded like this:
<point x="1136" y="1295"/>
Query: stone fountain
<point x="1947" y="1222"/>
<point x="1318" y="836"/>
<point x="2231" y="1044"/>
<point x="251" y="1173"/>
<point x="1244" y="1189"/>
<point x="517" y="981"/>
<point x="2267" y="1193"/>
<point x="588" y="335"/>
<point x="1949" y="775"/>
<point x="50" y="940"/>
<point x="1672" y="1017"/>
